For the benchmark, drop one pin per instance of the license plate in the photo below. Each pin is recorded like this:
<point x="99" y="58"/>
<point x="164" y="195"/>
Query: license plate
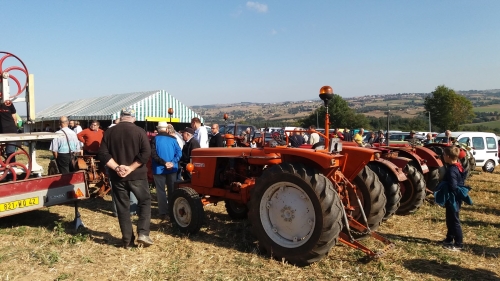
<point x="12" y="205"/>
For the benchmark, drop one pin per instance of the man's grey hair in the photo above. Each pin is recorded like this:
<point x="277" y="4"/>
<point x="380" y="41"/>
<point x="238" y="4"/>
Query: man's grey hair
<point x="170" y="129"/>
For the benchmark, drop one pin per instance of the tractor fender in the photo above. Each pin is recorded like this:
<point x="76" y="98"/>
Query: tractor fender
<point x="355" y="158"/>
<point x="397" y="171"/>
<point x="419" y="162"/>
<point x="400" y="162"/>
<point x="431" y="158"/>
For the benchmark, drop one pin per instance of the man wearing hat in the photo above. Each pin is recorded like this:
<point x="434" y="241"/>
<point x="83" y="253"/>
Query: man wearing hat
<point x="166" y="154"/>
<point x="125" y="150"/>
<point x="411" y="136"/>
<point x="191" y="143"/>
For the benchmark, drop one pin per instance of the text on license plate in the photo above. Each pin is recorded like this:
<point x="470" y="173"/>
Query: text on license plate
<point x="22" y="203"/>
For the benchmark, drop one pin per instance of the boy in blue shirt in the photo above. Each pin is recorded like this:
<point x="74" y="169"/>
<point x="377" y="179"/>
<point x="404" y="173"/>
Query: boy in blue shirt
<point x="454" y="177"/>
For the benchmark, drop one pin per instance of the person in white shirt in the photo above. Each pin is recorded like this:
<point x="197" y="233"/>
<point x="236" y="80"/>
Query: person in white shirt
<point x="200" y="133"/>
<point x="314" y="137"/>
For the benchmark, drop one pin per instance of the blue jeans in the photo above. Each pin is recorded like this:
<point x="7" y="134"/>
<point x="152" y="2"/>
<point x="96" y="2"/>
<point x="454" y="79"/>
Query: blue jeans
<point x="161" y="196"/>
<point x="453" y="225"/>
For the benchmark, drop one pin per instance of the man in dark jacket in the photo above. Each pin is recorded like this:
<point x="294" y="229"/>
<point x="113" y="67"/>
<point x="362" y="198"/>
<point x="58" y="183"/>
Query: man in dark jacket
<point x="296" y="139"/>
<point x="8" y="124"/>
<point x="166" y="154"/>
<point x="125" y="150"/>
<point x="216" y="140"/>
<point x="191" y="143"/>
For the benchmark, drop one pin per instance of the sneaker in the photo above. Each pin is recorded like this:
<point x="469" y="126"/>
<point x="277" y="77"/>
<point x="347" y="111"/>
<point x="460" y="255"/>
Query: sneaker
<point x="453" y="248"/>
<point x="144" y="240"/>
<point x="446" y="242"/>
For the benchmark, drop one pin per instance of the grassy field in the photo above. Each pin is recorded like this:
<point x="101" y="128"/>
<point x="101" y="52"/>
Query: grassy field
<point x="489" y="108"/>
<point x="491" y="124"/>
<point x="42" y="245"/>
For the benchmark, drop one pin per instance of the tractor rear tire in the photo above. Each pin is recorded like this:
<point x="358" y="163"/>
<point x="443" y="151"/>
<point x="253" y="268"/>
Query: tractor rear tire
<point x="391" y="188"/>
<point x="466" y="165"/>
<point x="472" y="161"/>
<point x="235" y="210"/>
<point x="372" y="196"/>
<point x="432" y="179"/>
<point x="413" y="191"/>
<point x="295" y="213"/>
<point x="186" y="210"/>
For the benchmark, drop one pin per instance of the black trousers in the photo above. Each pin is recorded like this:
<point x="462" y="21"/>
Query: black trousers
<point x="62" y="161"/>
<point x="121" y="190"/>
<point x="453" y="224"/>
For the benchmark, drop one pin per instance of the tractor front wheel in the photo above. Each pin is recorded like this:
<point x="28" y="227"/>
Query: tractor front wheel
<point x="295" y="213"/>
<point x="186" y="210"/>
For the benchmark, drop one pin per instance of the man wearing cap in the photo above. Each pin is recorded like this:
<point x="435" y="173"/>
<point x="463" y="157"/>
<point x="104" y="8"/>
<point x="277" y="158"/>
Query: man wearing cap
<point x="166" y="154"/>
<point x="200" y="132"/>
<point x="125" y="150"/>
<point x="190" y="144"/>
<point x="411" y="136"/>
<point x="216" y="140"/>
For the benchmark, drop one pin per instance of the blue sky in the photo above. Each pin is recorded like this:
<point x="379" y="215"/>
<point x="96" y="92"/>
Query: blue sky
<point x="208" y="52"/>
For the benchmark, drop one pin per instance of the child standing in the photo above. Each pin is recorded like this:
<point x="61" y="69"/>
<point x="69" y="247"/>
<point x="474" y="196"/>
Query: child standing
<point x="454" y="180"/>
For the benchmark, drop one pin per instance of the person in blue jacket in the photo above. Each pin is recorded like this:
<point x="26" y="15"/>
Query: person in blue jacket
<point x="452" y="184"/>
<point x="165" y="153"/>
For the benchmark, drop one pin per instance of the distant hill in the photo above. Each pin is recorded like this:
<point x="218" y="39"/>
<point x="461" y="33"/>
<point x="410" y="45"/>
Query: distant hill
<point x="407" y="105"/>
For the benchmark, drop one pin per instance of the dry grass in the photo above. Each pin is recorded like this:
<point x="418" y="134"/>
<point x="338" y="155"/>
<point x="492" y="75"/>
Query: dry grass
<point x="42" y="245"/>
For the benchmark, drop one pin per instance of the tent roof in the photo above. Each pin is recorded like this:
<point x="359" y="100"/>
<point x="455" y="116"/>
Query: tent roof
<point x="150" y="103"/>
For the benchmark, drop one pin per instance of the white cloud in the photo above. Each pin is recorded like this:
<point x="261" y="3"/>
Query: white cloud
<point x="260" y="8"/>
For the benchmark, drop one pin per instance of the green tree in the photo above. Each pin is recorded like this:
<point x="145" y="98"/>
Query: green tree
<point x="448" y="109"/>
<point x="341" y="115"/>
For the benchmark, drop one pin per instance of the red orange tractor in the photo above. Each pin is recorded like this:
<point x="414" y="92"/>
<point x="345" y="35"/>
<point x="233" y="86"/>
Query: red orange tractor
<point x="300" y="202"/>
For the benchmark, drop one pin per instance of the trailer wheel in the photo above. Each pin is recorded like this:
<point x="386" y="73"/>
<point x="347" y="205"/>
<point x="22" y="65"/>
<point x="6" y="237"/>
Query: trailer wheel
<point x="295" y="213"/>
<point x="372" y="196"/>
<point x="186" y="210"/>
<point x="432" y="179"/>
<point x="235" y="210"/>
<point x="489" y="166"/>
<point x="413" y="190"/>
<point x="391" y="188"/>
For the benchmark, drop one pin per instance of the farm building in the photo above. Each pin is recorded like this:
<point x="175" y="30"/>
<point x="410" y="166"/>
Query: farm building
<point x="151" y="107"/>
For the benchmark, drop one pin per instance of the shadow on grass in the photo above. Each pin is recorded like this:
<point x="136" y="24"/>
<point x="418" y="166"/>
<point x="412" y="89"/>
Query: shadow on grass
<point x="483" y="210"/>
<point x="473" y="223"/>
<point x="407" y="238"/>
<point x="218" y="229"/>
<point x="36" y="218"/>
<point x="448" y="271"/>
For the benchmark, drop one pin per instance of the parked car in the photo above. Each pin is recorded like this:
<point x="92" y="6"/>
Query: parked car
<point x="484" y="147"/>
<point x="240" y="128"/>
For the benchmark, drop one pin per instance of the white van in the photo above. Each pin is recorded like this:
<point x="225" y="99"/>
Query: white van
<point x="484" y="147"/>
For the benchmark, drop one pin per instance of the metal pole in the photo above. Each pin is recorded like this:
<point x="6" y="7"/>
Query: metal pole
<point x="387" y="134"/>
<point x="430" y="130"/>
<point x="317" y="119"/>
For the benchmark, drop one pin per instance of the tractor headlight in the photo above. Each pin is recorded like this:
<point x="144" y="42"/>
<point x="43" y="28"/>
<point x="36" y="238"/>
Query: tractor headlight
<point x="377" y="155"/>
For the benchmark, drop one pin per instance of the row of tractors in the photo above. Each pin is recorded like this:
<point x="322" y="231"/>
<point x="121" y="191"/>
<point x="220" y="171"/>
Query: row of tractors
<point x="301" y="201"/>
